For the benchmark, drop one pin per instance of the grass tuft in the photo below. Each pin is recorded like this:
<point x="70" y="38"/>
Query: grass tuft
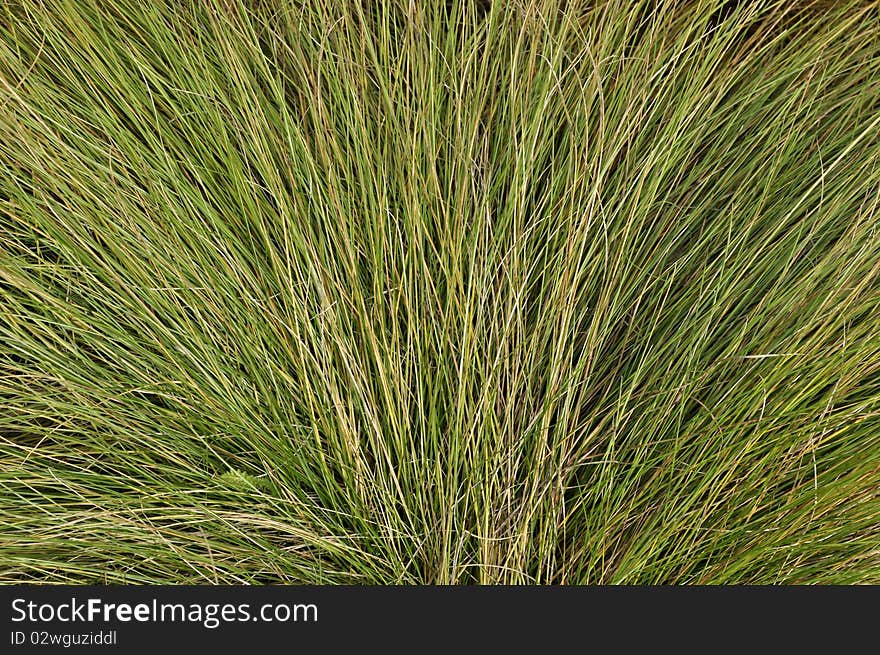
<point x="336" y="291"/>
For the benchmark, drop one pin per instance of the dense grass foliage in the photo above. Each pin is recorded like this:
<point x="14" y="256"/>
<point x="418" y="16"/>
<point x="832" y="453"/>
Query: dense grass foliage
<point x="538" y="291"/>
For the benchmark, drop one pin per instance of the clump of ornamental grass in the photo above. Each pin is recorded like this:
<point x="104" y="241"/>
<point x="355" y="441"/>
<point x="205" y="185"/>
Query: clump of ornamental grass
<point x="340" y="291"/>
